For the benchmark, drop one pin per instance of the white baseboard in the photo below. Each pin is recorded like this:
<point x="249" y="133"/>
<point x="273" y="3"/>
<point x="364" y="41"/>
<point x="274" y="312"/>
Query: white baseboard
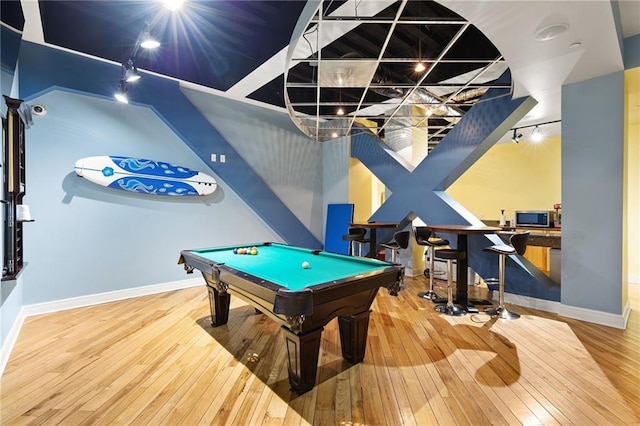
<point x="532" y="302"/>
<point x="413" y="272"/>
<point x="582" y="314"/>
<point x="81" y="301"/>
<point x="598" y="317"/>
<point x="10" y="341"/>
<point x="110" y="296"/>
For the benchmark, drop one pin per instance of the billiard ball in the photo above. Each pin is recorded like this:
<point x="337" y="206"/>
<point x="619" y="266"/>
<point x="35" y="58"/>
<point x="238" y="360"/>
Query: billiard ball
<point x="305" y="264"/>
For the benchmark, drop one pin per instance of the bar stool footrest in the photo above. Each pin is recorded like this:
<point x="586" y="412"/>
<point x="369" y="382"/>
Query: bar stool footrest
<point x="501" y="312"/>
<point x="453" y="310"/>
<point x="429" y="295"/>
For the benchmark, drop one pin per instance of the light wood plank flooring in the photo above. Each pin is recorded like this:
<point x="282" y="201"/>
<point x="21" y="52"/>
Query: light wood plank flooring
<point x="156" y="360"/>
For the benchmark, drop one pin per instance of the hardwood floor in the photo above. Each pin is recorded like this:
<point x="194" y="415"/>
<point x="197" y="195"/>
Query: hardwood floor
<point x="156" y="360"/>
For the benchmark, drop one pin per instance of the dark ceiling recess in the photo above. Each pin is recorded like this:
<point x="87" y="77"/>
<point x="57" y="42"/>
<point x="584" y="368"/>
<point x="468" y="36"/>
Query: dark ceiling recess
<point x="357" y="55"/>
<point x="210" y="43"/>
<point x="367" y="70"/>
<point x="11" y="14"/>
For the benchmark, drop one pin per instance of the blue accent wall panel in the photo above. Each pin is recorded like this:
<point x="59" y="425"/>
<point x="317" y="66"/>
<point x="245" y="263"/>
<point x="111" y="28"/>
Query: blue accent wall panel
<point x="592" y="193"/>
<point x="10" y="46"/>
<point x="163" y="96"/>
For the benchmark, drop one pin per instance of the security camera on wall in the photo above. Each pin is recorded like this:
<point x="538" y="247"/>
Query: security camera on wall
<point x="38" y="110"/>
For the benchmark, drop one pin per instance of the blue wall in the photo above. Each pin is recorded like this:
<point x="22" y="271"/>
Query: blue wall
<point x="632" y="52"/>
<point x="592" y="193"/>
<point x="267" y="139"/>
<point x="88" y="239"/>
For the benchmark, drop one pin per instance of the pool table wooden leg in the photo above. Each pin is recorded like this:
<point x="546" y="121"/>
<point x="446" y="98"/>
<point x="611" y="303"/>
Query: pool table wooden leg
<point x="219" y="304"/>
<point x="353" y="336"/>
<point x="302" y="351"/>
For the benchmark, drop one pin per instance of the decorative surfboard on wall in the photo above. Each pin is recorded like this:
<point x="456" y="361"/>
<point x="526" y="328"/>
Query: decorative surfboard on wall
<point x="144" y="176"/>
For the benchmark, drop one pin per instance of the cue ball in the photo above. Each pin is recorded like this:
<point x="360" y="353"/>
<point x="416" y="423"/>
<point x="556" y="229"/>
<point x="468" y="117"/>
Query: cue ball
<point x="305" y="264"/>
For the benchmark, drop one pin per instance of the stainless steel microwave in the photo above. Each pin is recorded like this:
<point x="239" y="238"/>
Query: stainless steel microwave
<point x="535" y="218"/>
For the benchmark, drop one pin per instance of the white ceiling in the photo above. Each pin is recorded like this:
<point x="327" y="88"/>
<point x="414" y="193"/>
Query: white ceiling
<point x="540" y="68"/>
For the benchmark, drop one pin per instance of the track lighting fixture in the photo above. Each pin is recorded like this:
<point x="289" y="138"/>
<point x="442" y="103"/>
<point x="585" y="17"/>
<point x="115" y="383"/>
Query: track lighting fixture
<point x="516" y="136"/>
<point x="537" y="134"/>
<point x="121" y="93"/>
<point x="420" y="67"/>
<point x="130" y="72"/>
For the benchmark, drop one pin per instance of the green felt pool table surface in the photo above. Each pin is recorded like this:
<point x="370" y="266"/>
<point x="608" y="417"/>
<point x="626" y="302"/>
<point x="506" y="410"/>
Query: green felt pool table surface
<point x="282" y="264"/>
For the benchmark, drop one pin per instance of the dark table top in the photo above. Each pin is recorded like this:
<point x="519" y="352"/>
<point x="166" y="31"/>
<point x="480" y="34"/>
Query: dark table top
<point x="375" y="224"/>
<point x="465" y="229"/>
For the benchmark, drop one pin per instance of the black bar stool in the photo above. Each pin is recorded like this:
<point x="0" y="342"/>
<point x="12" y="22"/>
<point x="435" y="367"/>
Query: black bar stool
<point x="425" y="237"/>
<point x="449" y="308"/>
<point x="400" y="242"/>
<point x="517" y="245"/>
<point x="356" y="236"/>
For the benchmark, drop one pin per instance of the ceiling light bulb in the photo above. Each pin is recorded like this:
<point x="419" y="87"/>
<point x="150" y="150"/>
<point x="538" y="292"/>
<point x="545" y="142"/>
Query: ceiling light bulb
<point x="173" y="4"/>
<point x="121" y="97"/>
<point x="121" y="94"/>
<point x="132" y="76"/>
<point x="148" y="42"/>
<point x="334" y="135"/>
<point x="536" y="134"/>
<point x="340" y="111"/>
<point x="420" y="67"/>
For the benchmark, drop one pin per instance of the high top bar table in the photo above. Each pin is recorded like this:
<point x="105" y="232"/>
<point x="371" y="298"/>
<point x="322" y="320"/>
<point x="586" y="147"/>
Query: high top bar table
<point x="373" y="226"/>
<point x="461" y="297"/>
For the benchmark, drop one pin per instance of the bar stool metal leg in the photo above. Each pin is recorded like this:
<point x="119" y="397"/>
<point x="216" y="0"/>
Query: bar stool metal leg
<point x="501" y="311"/>
<point x="430" y="294"/>
<point x="449" y="308"/>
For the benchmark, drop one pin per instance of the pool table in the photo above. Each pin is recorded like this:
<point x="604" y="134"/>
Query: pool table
<point x="302" y="300"/>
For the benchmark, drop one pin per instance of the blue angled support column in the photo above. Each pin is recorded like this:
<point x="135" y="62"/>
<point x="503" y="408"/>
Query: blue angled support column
<point x="421" y="192"/>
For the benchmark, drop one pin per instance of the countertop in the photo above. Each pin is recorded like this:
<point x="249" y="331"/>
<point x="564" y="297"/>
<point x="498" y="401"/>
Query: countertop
<point x="543" y="237"/>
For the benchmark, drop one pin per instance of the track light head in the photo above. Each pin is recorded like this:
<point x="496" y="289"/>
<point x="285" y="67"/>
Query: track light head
<point x="121" y="93"/>
<point x="516" y="136"/>
<point x="147" y="41"/>
<point x="130" y="72"/>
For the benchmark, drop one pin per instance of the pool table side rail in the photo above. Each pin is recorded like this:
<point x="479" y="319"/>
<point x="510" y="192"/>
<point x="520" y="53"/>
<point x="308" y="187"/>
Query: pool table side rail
<point x="194" y="260"/>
